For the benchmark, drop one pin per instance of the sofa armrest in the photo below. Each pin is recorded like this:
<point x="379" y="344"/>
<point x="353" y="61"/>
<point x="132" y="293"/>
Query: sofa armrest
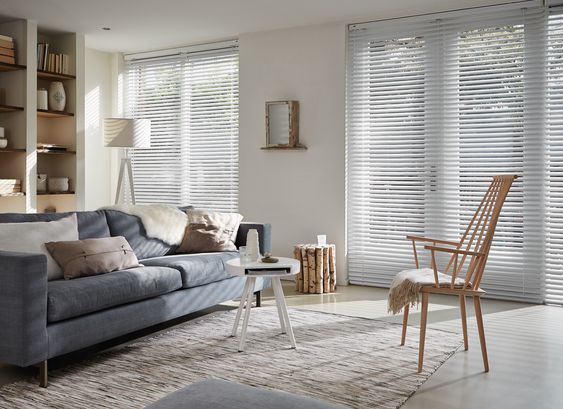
<point x="264" y="235"/>
<point x="23" y="308"/>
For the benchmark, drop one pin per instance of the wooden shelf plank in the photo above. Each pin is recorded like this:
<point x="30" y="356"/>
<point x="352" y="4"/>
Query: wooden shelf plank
<point x="5" y="67"/>
<point x="53" y="114"/>
<point x="54" y="194"/>
<point x="284" y="148"/>
<point x="56" y="152"/>
<point x="47" y="75"/>
<point x="12" y="150"/>
<point x="16" y="194"/>
<point x="10" y="108"/>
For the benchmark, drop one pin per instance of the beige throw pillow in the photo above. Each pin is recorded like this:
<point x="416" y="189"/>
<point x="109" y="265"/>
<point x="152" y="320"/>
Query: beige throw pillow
<point x="30" y="237"/>
<point x="90" y="257"/>
<point x="210" y="231"/>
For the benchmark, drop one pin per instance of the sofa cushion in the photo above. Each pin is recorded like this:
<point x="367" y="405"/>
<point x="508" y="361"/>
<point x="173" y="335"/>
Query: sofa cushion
<point x="91" y="225"/>
<point x="72" y="298"/>
<point x="131" y="227"/>
<point x="81" y="258"/>
<point x="196" y="269"/>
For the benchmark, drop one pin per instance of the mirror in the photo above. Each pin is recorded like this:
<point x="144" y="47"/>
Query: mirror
<point x="282" y="125"/>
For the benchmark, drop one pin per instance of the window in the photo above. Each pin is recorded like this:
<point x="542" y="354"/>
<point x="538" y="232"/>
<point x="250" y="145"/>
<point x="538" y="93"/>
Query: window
<point x="435" y="108"/>
<point x="192" y="102"/>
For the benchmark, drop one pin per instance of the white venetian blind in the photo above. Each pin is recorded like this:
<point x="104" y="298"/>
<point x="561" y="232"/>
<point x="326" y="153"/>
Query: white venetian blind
<point x="554" y="177"/>
<point x="436" y="107"/>
<point x="192" y="102"/>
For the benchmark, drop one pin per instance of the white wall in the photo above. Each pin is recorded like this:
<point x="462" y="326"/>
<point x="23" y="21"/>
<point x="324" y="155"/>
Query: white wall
<point x="302" y="193"/>
<point x="98" y="105"/>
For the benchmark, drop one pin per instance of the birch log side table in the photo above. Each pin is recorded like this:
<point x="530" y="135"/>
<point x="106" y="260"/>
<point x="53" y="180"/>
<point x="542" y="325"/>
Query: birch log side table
<point x="318" y="268"/>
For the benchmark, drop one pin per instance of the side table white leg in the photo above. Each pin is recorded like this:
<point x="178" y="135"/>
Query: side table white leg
<point x="280" y="300"/>
<point x="243" y="299"/>
<point x="278" y="305"/>
<point x="251" y="281"/>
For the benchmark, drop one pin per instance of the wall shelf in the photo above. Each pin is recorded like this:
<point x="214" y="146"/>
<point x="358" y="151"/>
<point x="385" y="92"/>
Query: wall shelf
<point x="54" y="194"/>
<point x="16" y="194"/>
<point x="39" y="152"/>
<point x="47" y="75"/>
<point x="9" y="108"/>
<point x="45" y="113"/>
<point x="12" y="150"/>
<point x="5" y="67"/>
<point x="298" y="147"/>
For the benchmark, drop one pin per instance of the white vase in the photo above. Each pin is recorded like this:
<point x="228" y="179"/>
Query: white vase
<point x="252" y="246"/>
<point x="57" y="96"/>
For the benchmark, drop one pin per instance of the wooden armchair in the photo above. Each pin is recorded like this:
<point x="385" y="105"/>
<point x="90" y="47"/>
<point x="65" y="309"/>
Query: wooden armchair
<point x="473" y="247"/>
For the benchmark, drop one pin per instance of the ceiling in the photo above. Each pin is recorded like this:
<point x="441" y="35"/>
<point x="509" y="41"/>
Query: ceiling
<point x="141" y="25"/>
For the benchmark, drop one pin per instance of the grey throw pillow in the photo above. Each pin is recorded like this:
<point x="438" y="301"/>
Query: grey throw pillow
<point x="90" y="257"/>
<point x="210" y="231"/>
<point x="30" y="237"/>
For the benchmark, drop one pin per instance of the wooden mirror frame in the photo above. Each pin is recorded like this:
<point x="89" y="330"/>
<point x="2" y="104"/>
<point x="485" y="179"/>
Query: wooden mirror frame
<point x="293" y="136"/>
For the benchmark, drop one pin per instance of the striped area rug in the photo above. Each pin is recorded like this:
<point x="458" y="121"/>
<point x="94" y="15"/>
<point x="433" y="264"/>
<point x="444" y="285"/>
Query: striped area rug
<point x="352" y="361"/>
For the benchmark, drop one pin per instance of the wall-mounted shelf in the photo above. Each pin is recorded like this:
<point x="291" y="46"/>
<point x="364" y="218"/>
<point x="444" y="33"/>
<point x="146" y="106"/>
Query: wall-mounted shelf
<point x="45" y="113"/>
<point x="9" y="108"/>
<point x="54" y="194"/>
<point x="47" y="75"/>
<point x="16" y="194"/>
<point x="5" y="67"/>
<point x="39" y="152"/>
<point x="298" y="147"/>
<point x="12" y="150"/>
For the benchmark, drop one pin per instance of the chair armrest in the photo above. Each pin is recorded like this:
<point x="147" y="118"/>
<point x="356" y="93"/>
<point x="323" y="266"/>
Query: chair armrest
<point x="454" y="251"/>
<point x="23" y="308"/>
<point x="431" y="240"/>
<point x="264" y="235"/>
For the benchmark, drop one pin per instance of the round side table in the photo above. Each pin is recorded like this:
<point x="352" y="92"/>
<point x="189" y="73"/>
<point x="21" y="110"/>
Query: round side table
<point x="284" y="267"/>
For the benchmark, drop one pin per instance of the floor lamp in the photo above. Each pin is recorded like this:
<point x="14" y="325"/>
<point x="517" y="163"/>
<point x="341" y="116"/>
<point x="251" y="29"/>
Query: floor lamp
<point x="126" y="133"/>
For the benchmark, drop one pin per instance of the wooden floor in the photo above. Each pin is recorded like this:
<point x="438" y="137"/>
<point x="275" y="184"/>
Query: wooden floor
<point x="525" y="345"/>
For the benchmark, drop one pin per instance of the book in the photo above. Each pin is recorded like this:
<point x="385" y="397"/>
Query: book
<point x="6" y="38"/>
<point x="7" y="60"/>
<point x="9" y="52"/>
<point x="6" y="44"/>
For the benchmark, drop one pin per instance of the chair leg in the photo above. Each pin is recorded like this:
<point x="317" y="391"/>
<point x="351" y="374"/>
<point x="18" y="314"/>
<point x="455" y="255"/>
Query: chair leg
<point x="463" y="320"/>
<point x="258" y="298"/>
<point x="423" y="316"/>
<point x="405" y="322"/>
<point x="479" y="317"/>
<point x="43" y="374"/>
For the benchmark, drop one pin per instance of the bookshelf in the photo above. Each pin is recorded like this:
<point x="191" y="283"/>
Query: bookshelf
<point x="26" y="126"/>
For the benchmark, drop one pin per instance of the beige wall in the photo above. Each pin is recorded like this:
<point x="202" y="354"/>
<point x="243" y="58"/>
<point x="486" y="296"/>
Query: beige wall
<point x="302" y="193"/>
<point x="98" y="105"/>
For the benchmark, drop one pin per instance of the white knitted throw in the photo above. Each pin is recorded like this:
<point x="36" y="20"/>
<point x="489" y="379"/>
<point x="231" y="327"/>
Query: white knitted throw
<point x="406" y="286"/>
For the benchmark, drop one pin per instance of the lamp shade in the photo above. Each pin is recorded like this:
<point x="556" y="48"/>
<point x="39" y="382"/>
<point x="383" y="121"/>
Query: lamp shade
<point x="127" y="133"/>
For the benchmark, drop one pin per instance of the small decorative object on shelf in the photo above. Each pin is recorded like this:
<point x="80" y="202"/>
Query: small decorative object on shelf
<point x="57" y="96"/>
<point x="252" y="246"/>
<point x="42" y="99"/>
<point x="318" y="268"/>
<point x="3" y="140"/>
<point x="41" y="183"/>
<point x="58" y="185"/>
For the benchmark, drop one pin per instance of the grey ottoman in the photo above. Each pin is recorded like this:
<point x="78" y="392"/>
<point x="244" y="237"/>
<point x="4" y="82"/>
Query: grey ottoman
<point x="219" y="394"/>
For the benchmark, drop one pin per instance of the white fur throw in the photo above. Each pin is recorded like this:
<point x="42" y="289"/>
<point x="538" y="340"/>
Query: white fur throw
<point x="166" y="223"/>
<point x="407" y="284"/>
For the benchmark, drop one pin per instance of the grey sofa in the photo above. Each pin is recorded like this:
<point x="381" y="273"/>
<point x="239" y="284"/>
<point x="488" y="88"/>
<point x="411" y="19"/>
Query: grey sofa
<point x="41" y="319"/>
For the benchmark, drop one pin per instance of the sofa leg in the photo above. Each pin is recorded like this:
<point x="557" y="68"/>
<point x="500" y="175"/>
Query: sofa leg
<point x="43" y="374"/>
<point x="258" y="298"/>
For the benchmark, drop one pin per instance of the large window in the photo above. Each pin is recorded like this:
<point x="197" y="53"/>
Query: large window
<point x="435" y="108"/>
<point x="192" y="102"/>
